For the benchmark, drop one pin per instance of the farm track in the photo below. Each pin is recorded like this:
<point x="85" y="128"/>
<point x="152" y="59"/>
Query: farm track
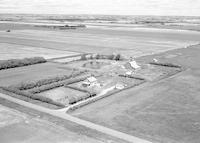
<point x="70" y="118"/>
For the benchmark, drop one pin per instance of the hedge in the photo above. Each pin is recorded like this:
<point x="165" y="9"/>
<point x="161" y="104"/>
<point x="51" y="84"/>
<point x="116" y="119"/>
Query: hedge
<point x="116" y="57"/>
<point x="29" y="85"/>
<point x="6" y="64"/>
<point x="74" y="99"/>
<point x="32" y="96"/>
<point x="166" y="64"/>
<point x="57" y="84"/>
<point x="46" y="87"/>
<point x="131" y="76"/>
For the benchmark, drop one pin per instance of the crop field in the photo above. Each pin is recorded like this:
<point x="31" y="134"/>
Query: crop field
<point x="14" y="76"/>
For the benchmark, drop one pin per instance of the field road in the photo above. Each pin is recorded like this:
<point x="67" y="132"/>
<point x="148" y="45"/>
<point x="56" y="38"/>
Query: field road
<point x="87" y="124"/>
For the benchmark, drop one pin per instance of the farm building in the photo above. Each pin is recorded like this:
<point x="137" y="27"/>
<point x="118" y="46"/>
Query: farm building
<point x="132" y="65"/>
<point x="89" y="81"/>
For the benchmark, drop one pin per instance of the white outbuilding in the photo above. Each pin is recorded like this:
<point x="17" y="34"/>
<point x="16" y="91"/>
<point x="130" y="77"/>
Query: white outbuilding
<point x="89" y="81"/>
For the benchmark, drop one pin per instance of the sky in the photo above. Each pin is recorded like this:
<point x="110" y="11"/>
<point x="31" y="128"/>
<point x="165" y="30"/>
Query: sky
<point x="110" y="7"/>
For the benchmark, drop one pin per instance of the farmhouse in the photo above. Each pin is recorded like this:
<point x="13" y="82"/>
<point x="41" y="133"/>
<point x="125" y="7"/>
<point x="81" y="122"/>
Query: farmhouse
<point x="132" y="65"/>
<point x="89" y="81"/>
<point x="119" y="86"/>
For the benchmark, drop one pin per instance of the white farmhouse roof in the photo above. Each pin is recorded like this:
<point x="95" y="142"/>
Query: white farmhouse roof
<point x="134" y="64"/>
<point x="119" y="86"/>
<point x="91" y="79"/>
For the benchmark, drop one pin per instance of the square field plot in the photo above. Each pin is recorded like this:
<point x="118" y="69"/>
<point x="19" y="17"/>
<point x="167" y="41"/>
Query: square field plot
<point x="63" y="95"/>
<point x="155" y="72"/>
<point x="105" y="83"/>
<point x="148" y="72"/>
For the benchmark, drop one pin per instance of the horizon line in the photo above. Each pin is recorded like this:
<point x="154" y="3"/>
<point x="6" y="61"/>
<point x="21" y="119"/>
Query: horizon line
<point x="97" y="14"/>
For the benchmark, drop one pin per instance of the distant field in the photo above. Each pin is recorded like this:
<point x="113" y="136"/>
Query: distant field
<point x="136" y="42"/>
<point x="31" y="73"/>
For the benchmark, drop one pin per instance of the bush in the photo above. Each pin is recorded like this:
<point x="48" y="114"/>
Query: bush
<point x="97" y="56"/>
<point x="76" y="79"/>
<point x="111" y="57"/>
<point x="75" y="99"/>
<point x="83" y="57"/>
<point x="91" y="57"/>
<point x="46" y="87"/>
<point x="131" y="76"/>
<point x="6" y="64"/>
<point x="100" y="56"/>
<point x="118" y="57"/>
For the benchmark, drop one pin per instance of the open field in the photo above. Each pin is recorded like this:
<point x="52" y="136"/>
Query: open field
<point x="16" y="126"/>
<point x="163" y="111"/>
<point x="131" y="43"/>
